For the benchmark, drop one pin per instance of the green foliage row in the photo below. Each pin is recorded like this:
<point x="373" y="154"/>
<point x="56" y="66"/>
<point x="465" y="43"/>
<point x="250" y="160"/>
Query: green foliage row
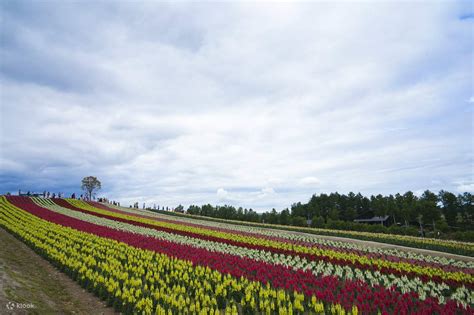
<point x="403" y="236"/>
<point x="445" y="213"/>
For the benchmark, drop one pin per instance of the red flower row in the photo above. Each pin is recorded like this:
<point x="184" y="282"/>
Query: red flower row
<point x="310" y="257"/>
<point x="446" y="268"/>
<point x="329" y="289"/>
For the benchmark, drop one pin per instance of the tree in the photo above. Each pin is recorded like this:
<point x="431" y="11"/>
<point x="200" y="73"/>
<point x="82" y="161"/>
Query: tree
<point x="378" y="205"/>
<point x="207" y="210"/>
<point x="317" y="222"/>
<point x="285" y="217"/>
<point x="314" y="208"/>
<point x="409" y="204"/>
<point x="466" y="201"/>
<point x="351" y="214"/>
<point x="194" y="210"/>
<point x="89" y="185"/>
<point x="297" y="209"/>
<point x="428" y="209"/>
<point x="273" y="217"/>
<point x="240" y="213"/>
<point x="299" y="221"/>
<point x="333" y="214"/>
<point x="451" y="206"/>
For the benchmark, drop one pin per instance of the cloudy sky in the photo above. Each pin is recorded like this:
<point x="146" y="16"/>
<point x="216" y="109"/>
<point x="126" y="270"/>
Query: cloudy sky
<point x="252" y="104"/>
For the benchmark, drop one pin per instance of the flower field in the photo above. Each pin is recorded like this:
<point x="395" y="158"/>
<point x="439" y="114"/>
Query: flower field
<point x="141" y="262"/>
<point x="448" y="246"/>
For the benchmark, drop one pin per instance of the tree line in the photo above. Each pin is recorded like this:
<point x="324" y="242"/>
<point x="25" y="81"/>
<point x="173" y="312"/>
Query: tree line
<point x="445" y="213"/>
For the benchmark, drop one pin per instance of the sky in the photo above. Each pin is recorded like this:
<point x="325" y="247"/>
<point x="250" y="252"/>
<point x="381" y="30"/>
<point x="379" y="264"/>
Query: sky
<point x="253" y="104"/>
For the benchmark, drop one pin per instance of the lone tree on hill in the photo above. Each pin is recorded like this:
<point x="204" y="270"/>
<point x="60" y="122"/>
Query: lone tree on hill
<point x="89" y="185"/>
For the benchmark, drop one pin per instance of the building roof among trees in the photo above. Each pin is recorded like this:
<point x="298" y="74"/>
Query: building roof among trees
<point x="373" y="219"/>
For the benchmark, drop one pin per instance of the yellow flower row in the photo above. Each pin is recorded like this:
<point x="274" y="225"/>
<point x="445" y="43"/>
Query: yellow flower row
<point x="141" y="281"/>
<point x="351" y="257"/>
<point x="389" y="238"/>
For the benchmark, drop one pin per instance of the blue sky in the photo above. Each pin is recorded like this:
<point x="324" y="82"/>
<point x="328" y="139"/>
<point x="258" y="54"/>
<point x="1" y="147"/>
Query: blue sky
<point x="253" y="104"/>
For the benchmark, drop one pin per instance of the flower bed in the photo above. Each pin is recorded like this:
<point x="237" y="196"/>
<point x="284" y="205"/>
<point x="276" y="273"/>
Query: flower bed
<point x="143" y="265"/>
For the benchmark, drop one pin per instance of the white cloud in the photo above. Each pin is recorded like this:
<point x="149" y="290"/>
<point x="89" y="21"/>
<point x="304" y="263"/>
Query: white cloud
<point x="310" y="181"/>
<point x="274" y="102"/>
<point x="222" y="194"/>
<point x="266" y="192"/>
<point x="465" y="187"/>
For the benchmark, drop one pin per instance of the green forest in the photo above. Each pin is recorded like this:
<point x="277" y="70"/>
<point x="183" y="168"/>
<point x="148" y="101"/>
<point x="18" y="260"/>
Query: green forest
<point x="444" y="215"/>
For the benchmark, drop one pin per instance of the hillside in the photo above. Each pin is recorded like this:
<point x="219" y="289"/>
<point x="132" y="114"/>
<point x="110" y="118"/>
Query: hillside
<point x="137" y="261"/>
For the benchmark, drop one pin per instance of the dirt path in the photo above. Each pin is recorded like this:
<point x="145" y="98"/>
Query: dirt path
<point x="31" y="285"/>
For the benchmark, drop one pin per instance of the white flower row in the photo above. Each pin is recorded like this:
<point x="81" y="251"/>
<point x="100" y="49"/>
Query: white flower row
<point x="403" y="284"/>
<point x="309" y="238"/>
